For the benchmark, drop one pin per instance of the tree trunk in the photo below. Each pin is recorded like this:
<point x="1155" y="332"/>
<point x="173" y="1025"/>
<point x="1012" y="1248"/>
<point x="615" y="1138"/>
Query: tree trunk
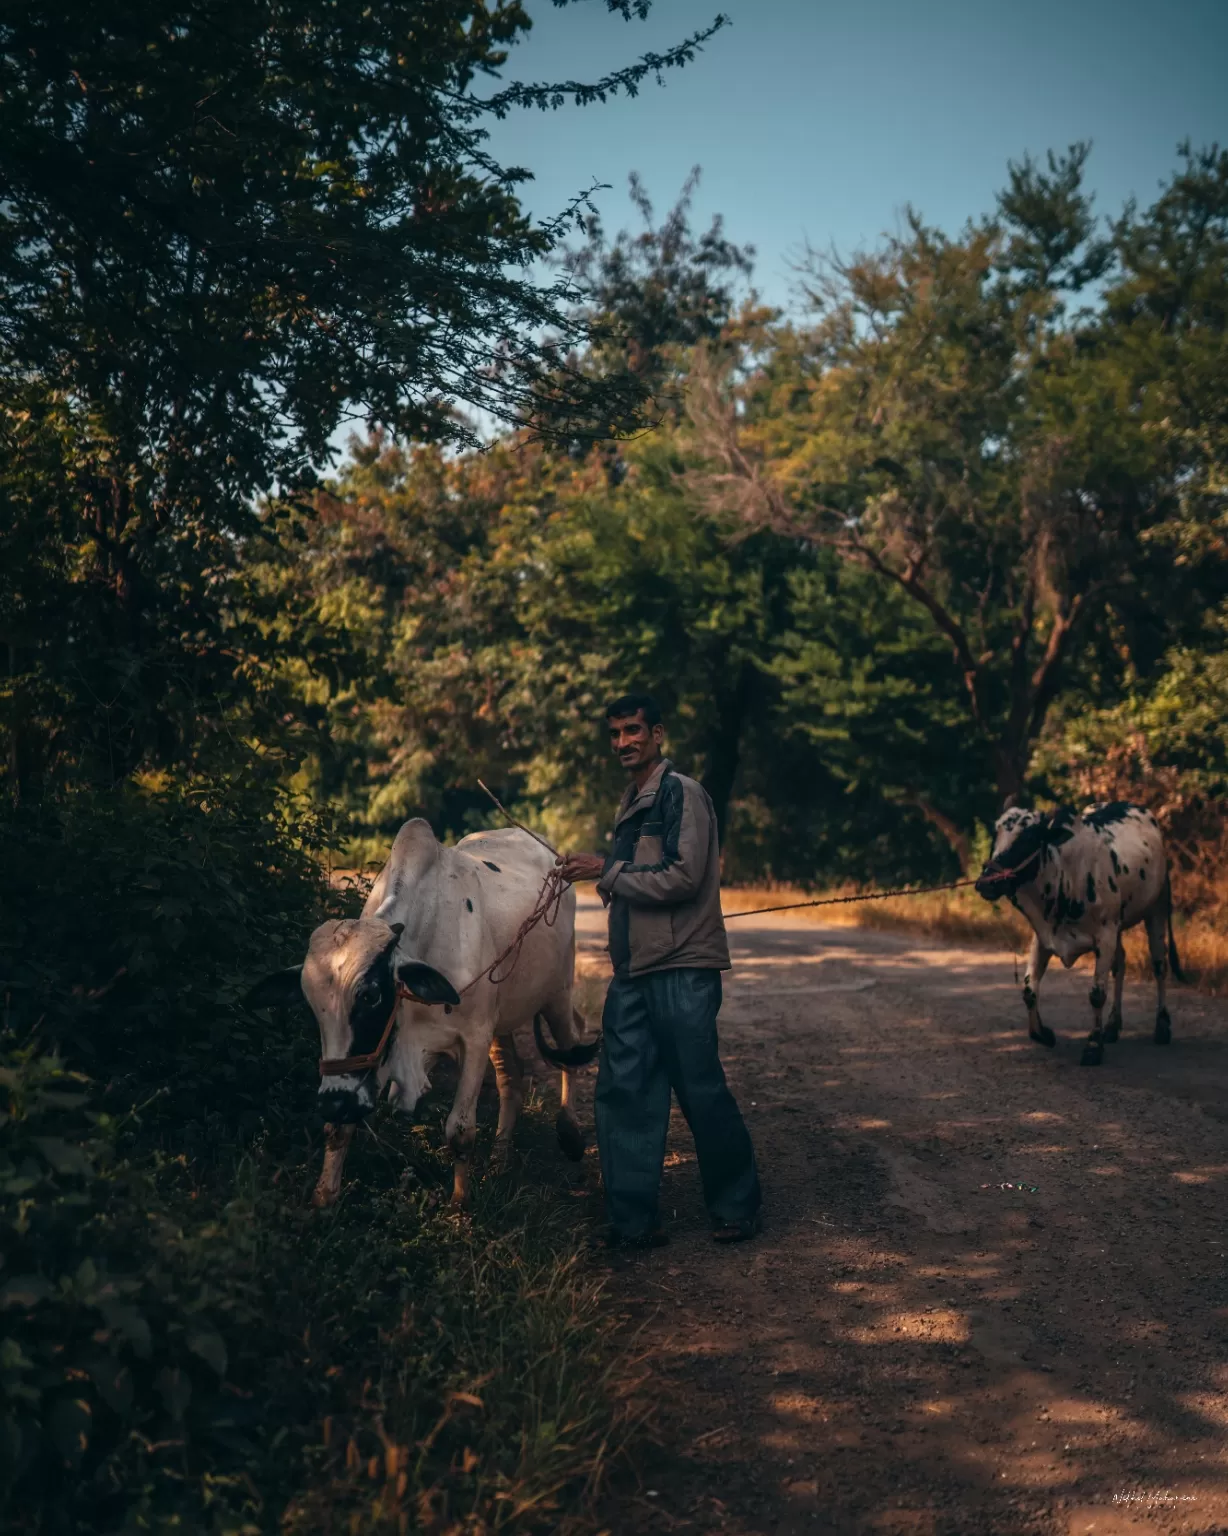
<point x="1009" y="772"/>
<point x="724" y="745"/>
<point x="957" y="839"/>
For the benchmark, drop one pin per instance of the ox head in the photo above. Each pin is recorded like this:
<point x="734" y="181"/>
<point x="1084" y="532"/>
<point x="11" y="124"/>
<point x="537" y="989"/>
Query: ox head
<point x="1020" y="844"/>
<point x="350" y="979"/>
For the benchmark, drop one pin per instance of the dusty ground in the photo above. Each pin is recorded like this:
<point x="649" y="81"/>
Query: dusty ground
<point x="910" y="1347"/>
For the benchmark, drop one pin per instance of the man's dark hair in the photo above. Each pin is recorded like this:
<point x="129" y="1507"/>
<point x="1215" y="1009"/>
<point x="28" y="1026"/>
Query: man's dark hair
<point x="634" y="703"/>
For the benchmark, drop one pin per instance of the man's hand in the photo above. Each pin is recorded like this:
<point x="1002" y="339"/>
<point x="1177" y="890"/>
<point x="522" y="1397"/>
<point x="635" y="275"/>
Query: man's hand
<point x="581" y="866"/>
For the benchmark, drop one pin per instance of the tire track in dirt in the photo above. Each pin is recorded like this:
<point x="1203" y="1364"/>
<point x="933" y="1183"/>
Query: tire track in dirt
<point x="909" y="1348"/>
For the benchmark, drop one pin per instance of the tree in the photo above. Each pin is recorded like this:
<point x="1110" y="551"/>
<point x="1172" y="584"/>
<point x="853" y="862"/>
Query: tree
<point x="950" y="426"/>
<point x="651" y="297"/>
<point x="224" y="228"/>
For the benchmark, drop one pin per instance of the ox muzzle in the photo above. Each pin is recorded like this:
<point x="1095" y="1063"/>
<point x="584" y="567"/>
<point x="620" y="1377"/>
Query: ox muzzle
<point x="994" y="882"/>
<point x="998" y="880"/>
<point x="347" y="1100"/>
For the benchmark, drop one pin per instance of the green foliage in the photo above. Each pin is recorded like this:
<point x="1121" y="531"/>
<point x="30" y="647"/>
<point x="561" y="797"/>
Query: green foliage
<point x="207" y="1353"/>
<point x="133" y="921"/>
<point x="225" y="230"/>
<point x="652" y="296"/>
<point x="111" y="1340"/>
<point x="184" y="1344"/>
<point x="479" y="613"/>
<point x="1011" y="465"/>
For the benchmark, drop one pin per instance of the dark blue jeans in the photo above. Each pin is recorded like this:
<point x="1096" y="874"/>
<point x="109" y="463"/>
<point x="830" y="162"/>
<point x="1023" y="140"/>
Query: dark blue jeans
<point x="660" y="1034"/>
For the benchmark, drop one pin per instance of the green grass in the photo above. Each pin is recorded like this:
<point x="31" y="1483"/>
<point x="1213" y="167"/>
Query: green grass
<point x="476" y="1387"/>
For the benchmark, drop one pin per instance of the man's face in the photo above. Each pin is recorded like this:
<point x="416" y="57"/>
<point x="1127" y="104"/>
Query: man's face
<point x="634" y="743"/>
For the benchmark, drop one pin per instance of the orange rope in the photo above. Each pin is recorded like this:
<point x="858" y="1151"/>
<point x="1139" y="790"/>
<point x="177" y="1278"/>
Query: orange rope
<point x="546" y="910"/>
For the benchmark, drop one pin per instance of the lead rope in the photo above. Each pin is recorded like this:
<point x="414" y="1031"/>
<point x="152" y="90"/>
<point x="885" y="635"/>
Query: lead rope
<point x="789" y="906"/>
<point x="839" y="901"/>
<point x="921" y="890"/>
<point x="546" y="911"/>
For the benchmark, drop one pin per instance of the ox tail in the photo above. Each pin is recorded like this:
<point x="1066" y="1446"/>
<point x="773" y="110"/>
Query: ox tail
<point x="570" y="1056"/>
<point x="1174" y="960"/>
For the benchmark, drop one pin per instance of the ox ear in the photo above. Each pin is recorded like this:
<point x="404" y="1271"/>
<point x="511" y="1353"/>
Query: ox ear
<point x="397" y="930"/>
<point x="1059" y="826"/>
<point x="426" y="983"/>
<point x="279" y="989"/>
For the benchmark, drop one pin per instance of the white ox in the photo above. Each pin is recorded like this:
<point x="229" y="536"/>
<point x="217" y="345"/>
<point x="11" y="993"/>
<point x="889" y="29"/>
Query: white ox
<point x="1081" y="881"/>
<point x="436" y="919"/>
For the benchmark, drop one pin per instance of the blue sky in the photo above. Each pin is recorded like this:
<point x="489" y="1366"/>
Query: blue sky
<point x="821" y="119"/>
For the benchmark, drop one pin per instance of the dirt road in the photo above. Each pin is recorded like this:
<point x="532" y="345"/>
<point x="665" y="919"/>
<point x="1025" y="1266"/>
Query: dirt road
<point x="910" y="1347"/>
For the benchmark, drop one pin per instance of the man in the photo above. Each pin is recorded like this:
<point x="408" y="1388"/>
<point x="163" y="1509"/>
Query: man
<point x="661" y="885"/>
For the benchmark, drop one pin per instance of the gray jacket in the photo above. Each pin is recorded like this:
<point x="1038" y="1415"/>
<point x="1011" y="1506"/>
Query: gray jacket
<point x="662" y="883"/>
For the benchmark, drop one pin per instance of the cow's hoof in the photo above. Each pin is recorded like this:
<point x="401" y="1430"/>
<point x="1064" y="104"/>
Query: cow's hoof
<point x="1043" y="1035"/>
<point x="1164" y="1030"/>
<point x="571" y="1138"/>
<point x="1092" y="1055"/>
<point x="1112" y="1031"/>
<point x="322" y="1197"/>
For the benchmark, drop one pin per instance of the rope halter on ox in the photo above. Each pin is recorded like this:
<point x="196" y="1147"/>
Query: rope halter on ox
<point x="340" y="1066"/>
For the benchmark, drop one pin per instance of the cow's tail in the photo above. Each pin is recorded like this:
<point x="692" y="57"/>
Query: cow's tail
<point x="568" y="1056"/>
<point x="1174" y="960"/>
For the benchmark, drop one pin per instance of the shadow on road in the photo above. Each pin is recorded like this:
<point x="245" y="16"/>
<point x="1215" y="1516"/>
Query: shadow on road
<point x="912" y="1346"/>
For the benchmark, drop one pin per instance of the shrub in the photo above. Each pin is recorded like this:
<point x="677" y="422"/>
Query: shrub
<point x="184" y="1343"/>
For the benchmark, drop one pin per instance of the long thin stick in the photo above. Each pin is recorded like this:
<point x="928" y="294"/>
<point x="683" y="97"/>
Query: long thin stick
<point x="507" y="815"/>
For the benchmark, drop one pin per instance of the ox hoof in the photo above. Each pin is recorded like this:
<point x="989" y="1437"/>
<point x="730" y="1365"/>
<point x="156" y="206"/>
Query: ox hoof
<point x="1043" y="1035"/>
<point x="1112" y="1031"/>
<point x="322" y="1197"/>
<point x="571" y="1138"/>
<point x="1093" y="1055"/>
<point x="1164" y="1030"/>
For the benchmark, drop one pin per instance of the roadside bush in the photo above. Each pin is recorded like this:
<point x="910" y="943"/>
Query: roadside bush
<point x="179" y="1353"/>
<point x="184" y="1343"/>
<point x="135" y="919"/>
<point x="111" y="1363"/>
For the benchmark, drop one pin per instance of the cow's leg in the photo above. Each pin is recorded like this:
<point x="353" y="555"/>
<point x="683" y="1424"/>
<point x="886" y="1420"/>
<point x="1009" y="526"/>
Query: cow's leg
<point x="510" y="1078"/>
<point x="336" y="1145"/>
<point x="1038" y="964"/>
<point x="1112" y="1029"/>
<point x="1106" y="949"/>
<point x="462" y="1123"/>
<point x="1157" y="923"/>
<point x="567" y="1027"/>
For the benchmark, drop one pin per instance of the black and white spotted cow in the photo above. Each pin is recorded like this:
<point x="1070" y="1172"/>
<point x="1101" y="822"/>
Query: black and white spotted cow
<point x="390" y="990"/>
<point x="1081" y="881"/>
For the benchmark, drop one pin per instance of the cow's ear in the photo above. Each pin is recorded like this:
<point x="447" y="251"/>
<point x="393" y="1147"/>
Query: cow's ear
<point x="426" y="983"/>
<point x="279" y="989"/>
<point x="1059" y="826"/>
<point x="397" y="930"/>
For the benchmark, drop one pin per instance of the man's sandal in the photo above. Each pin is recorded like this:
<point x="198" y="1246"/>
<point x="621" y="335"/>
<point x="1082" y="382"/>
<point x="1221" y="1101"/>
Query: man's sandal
<point x="617" y="1242"/>
<point x="736" y="1231"/>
